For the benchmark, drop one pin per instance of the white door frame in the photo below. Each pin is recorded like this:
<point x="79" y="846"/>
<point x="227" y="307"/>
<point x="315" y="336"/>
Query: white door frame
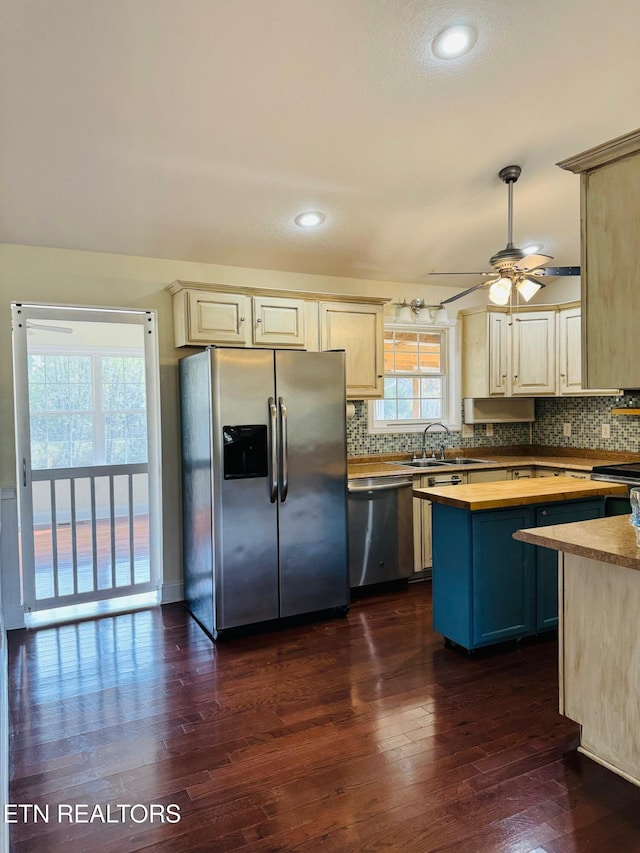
<point x="21" y="313"/>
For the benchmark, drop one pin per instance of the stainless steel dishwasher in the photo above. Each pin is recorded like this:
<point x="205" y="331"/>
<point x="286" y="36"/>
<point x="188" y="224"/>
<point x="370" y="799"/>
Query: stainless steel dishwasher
<point x="380" y="529"/>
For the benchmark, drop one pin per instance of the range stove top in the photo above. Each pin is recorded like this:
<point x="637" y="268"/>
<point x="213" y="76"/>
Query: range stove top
<point x="623" y="472"/>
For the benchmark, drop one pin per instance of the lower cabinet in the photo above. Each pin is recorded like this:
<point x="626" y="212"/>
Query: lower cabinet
<point x="503" y="581"/>
<point x="547" y="559"/>
<point x="577" y="475"/>
<point x="422" y="523"/>
<point x="489" y="587"/>
<point x="521" y="474"/>
<point x="491" y="476"/>
<point x="421" y="529"/>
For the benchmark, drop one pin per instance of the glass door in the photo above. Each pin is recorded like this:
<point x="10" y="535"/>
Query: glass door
<point x="86" y="391"/>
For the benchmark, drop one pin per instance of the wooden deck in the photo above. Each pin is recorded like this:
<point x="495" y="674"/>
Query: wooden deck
<point x="108" y="575"/>
<point x="356" y="734"/>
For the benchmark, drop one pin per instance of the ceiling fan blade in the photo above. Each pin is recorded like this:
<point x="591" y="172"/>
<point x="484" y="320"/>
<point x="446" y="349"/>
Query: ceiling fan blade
<point x="530" y="262"/>
<point x="535" y="280"/>
<point x="557" y="271"/>
<point x="462" y="273"/>
<point x="464" y="292"/>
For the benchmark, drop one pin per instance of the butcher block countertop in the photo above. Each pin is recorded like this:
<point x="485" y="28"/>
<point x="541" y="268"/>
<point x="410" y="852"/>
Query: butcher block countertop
<point x="384" y="466"/>
<point x="507" y="493"/>
<point x="609" y="540"/>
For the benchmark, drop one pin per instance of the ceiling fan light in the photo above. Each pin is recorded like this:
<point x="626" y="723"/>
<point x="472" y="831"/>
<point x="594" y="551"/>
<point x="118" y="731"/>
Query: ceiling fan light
<point x="527" y="288"/>
<point x="532" y="248"/>
<point x="500" y="291"/>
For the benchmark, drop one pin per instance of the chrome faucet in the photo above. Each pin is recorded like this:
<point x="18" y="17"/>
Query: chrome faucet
<point x="424" y="441"/>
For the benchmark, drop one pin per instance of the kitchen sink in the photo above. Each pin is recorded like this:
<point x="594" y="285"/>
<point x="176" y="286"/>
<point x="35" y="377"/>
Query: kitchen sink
<point x="423" y="463"/>
<point x="420" y="463"/>
<point x="460" y="461"/>
<point x="438" y="463"/>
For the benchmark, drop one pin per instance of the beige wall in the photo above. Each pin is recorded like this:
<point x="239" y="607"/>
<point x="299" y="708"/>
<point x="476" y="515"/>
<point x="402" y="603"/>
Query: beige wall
<point x="57" y="276"/>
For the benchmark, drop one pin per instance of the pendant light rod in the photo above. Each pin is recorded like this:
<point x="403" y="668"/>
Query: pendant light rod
<point x="510" y="175"/>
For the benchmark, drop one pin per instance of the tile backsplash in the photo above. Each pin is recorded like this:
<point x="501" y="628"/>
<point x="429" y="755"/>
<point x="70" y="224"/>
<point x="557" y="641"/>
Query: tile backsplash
<point x="362" y="443"/>
<point x="585" y="414"/>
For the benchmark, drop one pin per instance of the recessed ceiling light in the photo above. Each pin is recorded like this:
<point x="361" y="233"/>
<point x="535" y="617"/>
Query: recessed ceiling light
<point x="454" y="41"/>
<point x="532" y="248"/>
<point x="309" y="219"/>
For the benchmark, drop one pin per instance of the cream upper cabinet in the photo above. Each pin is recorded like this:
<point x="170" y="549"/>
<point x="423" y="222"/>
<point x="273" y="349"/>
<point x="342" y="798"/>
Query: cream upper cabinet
<point x="247" y="316"/>
<point x="569" y="350"/>
<point x="358" y="329"/>
<point x="508" y="354"/>
<point x="530" y="353"/>
<point x="533" y="353"/>
<point x="569" y="353"/>
<point x="216" y="317"/>
<point x="499" y="353"/>
<point x="610" y="207"/>
<point x="485" y="353"/>
<point x="282" y="322"/>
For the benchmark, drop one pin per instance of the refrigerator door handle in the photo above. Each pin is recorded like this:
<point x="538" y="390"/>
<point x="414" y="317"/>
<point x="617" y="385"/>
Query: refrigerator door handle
<point x="273" y="438"/>
<point x="285" y="449"/>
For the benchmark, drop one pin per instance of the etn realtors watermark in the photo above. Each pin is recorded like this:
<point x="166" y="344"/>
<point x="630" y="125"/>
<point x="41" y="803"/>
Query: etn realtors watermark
<point x="138" y="813"/>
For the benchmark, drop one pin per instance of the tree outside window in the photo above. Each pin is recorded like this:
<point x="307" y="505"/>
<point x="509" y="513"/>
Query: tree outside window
<point x="86" y="409"/>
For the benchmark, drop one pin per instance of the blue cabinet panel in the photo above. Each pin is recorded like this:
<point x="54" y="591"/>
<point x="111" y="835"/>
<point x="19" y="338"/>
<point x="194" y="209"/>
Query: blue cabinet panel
<point x="489" y="587"/>
<point x="503" y="577"/>
<point x="451" y="580"/>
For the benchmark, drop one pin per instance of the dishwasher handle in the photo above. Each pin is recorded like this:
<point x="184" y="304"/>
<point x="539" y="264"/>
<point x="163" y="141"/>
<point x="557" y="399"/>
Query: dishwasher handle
<point x="447" y="481"/>
<point x="386" y="487"/>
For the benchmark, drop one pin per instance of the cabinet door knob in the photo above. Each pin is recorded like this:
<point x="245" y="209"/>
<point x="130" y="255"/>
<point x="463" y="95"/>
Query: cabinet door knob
<point x="544" y="512"/>
<point x="259" y="320"/>
<point x="242" y="319"/>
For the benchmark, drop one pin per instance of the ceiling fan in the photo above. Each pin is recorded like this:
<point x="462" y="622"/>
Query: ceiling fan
<point x="513" y="268"/>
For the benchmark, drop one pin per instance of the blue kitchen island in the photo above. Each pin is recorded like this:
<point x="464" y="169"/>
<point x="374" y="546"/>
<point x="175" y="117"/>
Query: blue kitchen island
<point x="487" y="586"/>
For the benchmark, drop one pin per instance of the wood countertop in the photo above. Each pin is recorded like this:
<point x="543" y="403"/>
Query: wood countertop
<point x="609" y="540"/>
<point x="388" y="468"/>
<point x="507" y="493"/>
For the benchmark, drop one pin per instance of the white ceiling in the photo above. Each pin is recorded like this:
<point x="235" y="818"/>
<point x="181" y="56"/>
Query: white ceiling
<point x="198" y="129"/>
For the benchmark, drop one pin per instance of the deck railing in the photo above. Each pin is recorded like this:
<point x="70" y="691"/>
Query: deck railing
<point x="91" y="533"/>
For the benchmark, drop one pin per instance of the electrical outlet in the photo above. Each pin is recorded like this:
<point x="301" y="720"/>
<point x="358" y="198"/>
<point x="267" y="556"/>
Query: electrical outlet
<point x="606" y="430"/>
<point x="467" y="430"/>
<point x="566" y="430"/>
<point x="489" y="429"/>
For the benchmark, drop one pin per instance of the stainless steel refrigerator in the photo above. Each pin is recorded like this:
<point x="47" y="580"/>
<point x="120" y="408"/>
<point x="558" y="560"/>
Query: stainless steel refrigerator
<point x="264" y="484"/>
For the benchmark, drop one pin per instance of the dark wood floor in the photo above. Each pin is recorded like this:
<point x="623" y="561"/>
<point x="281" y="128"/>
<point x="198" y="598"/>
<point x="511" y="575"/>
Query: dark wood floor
<point x="355" y="734"/>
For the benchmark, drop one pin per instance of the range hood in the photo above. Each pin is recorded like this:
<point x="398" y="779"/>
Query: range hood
<point x="499" y="410"/>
